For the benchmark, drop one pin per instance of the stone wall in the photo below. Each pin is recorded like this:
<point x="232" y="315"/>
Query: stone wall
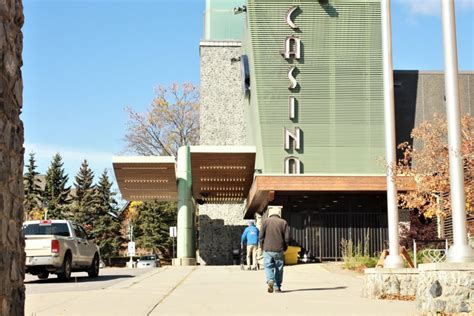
<point x="12" y="258"/>
<point x="384" y="283"/>
<point x="220" y="228"/>
<point x="439" y="288"/>
<point x="445" y="288"/>
<point x="221" y="119"/>
<point x="222" y="123"/>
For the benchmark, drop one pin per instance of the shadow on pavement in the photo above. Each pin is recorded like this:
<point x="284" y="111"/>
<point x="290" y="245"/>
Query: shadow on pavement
<point x="80" y="279"/>
<point x="317" y="289"/>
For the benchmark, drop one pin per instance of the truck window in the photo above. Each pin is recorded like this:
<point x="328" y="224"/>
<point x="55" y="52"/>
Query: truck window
<point x="79" y="232"/>
<point x="59" y="229"/>
<point x="83" y="231"/>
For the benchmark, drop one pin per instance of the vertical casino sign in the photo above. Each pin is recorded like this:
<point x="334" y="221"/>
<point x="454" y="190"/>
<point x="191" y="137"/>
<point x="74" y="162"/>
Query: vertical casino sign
<point x="292" y="53"/>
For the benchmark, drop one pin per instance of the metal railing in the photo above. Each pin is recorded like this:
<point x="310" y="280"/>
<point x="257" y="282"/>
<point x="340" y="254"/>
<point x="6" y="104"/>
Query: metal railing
<point x="435" y="255"/>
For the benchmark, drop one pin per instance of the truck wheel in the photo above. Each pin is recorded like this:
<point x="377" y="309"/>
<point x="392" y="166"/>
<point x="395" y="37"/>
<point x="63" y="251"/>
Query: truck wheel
<point x="94" y="269"/>
<point x="65" y="275"/>
<point x="43" y="275"/>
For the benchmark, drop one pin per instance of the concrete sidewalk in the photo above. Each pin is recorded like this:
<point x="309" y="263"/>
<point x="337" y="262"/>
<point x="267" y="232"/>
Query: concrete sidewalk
<point x="207" y="290"/>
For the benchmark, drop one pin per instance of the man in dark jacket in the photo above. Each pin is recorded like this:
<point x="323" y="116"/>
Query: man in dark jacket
<point x="274" y="239"/>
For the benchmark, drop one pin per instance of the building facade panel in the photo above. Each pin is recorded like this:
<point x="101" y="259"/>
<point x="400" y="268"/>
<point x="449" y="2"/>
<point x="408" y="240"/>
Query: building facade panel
<point x="220" y="22"/>
<point x="339" y="101"/>
<point x="420" y="94"/>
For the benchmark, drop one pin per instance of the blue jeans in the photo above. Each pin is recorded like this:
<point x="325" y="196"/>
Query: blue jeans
<point x="273" y="262"/>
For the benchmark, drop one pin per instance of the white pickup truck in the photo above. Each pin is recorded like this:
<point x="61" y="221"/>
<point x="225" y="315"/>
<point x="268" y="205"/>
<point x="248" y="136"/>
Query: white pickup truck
<point x="60" y="247"/>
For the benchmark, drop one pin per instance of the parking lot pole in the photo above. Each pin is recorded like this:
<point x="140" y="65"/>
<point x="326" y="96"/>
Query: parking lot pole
<point x="393" y="260"/>
<point x="186" y="252"/>
<point x="460" y="251"/>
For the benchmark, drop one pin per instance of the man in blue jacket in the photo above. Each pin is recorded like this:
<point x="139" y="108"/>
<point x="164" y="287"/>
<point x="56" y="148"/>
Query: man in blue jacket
<point x="250" y="238"/>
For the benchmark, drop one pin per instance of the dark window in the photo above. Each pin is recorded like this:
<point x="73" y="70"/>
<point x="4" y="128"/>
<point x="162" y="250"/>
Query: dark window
<point x="291" y="166"/>
<point x="84" y="232"/>
<point x="245" y="68"/>
<point x="79" y="232"/>
<point x="59" y="229"/>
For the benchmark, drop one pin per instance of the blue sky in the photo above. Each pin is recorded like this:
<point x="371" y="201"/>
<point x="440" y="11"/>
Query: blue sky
<point x="85" y="60"/>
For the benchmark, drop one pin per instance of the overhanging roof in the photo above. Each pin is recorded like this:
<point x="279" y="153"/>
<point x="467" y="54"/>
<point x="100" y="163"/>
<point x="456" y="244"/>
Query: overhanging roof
<point x="146" y="178"/>
<point x="264" y="186"/>
<point x="222" y="174"/>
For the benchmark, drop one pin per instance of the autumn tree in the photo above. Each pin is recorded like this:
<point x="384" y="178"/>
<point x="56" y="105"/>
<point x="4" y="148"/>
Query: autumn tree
<point x="56" y="192"/>
<point x="428" y="163"/>
<point x="170" y="122"/>
<point x="32" y="189"/>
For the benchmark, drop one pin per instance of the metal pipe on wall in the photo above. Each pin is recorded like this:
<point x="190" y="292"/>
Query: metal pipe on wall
<point x="460" y="251"/>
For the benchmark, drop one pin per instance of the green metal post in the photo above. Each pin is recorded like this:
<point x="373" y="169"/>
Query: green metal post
<point x="186" y="252"/>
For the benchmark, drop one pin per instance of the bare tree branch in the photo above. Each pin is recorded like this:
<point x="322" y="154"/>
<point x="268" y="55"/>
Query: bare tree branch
<point x="171" y="121"/>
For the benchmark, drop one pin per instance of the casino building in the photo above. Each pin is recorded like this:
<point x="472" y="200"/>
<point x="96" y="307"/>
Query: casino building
<point x="292" y="115"/>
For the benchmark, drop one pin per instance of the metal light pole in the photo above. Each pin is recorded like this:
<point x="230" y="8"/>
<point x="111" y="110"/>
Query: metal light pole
<point x="460" y="251"/>
<point x="130" y="246"/>
<point x="393" y="260"/>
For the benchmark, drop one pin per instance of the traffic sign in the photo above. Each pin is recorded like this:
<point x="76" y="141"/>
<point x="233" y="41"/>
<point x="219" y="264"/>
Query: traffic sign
<point x="172" y="231"/>
<point x="131" y="248"/>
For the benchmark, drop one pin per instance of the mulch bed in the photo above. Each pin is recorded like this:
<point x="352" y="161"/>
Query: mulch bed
<point x="398" y="297"/>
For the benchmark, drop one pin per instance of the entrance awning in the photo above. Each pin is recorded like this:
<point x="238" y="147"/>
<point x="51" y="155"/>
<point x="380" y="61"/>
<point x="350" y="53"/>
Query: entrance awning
<point x="146" y="178"/>
<point x="264" y="187"/>
<point x="220" y="175"/>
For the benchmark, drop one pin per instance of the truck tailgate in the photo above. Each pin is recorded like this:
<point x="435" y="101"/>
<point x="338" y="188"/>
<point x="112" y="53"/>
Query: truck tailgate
<point x="38" y="245"/>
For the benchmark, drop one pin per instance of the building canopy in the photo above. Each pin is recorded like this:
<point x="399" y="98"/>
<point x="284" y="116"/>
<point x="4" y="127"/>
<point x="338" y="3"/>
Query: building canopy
<point x="220" y="174"/>
<point x="146" y="178"/>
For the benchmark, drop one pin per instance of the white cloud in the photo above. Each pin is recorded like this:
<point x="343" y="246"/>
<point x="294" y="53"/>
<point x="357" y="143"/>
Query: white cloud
<point x="433" y="7"/>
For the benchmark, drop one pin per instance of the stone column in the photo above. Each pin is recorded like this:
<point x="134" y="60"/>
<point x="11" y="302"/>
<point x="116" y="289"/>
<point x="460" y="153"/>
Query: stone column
<point x="12" y="257"/>
<point x="222" y="123"/>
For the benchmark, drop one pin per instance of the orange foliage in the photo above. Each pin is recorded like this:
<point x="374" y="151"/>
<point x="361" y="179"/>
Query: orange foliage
<point x="428" y="163"/>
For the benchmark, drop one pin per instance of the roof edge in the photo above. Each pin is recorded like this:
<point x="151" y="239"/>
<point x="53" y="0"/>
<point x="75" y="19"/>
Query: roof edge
<point x="224" y="149"/>
<point x="210" y="43"/>
<point x="143" y="159"/>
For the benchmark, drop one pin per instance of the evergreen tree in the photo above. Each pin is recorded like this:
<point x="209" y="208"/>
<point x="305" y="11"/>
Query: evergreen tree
<point x="152" y="226"/>
<point x="32" y="189"/>
<point x="83" y="199"/>
<point x="56" y="193"/>
<point x="107" y="223"/>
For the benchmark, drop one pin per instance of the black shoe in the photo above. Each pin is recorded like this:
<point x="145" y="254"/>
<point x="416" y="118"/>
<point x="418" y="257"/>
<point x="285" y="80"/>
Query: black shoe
<point x="277" y="290"/>
<point x="270" y="287"/>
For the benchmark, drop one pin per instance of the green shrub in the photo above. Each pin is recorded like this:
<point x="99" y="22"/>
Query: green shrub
<point x="356" y="258"/>
<point x="419" y="258"/>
